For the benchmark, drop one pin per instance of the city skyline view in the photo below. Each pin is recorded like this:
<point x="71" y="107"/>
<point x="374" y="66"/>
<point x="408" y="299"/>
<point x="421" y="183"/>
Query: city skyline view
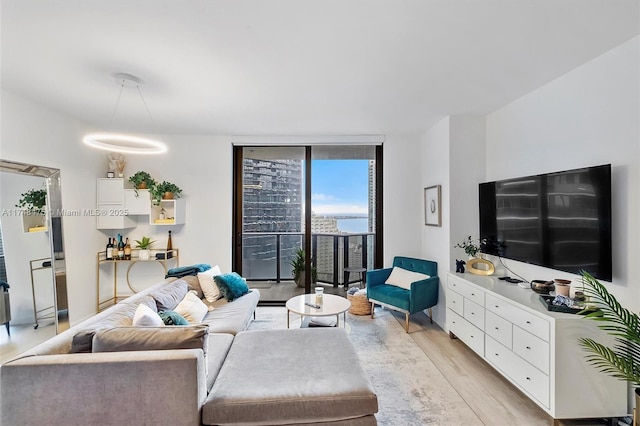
<point x="339" y="187"/>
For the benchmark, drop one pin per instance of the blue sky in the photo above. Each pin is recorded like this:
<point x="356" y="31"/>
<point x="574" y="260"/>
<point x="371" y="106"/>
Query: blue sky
<point x="339" y="186"/>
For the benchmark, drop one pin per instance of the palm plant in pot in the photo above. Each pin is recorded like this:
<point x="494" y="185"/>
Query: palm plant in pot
<point x="298" y="269"/>
<point x="165" y="191"/>
<point x="144" y="245"/>
<point x="142" y="180"/>
<point x="622" y="360"/>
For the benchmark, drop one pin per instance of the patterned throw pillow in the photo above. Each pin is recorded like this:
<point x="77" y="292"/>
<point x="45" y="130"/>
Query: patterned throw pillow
<point x="231" y="285"/>
<point x="172" y="318"/>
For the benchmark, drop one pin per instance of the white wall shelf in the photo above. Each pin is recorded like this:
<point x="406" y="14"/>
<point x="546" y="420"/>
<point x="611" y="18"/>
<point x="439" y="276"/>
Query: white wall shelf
<point x="137" y="203"/>
<point x="111" y="211"/>
<point x="169" y="212"/>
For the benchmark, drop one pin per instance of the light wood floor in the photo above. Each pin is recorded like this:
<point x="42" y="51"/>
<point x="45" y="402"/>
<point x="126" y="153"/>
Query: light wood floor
<point x="494" y="400"/>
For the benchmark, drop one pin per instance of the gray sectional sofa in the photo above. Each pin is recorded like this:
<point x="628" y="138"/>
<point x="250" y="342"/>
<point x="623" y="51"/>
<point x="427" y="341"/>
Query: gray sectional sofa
<point x="104" y="371"/>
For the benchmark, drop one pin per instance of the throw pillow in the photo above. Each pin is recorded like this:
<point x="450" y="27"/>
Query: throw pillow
<point x="192" y="308"/>
<point x="208" y="284"/>
<point x="170" y="295"/>
<point x="146" y="317"/>
<point x="194" y="284"/>
<point x="231" y="286"/>
<point x="151" y="338"/>
<point x="172" y="318"/>
<point x="403" y="278"/>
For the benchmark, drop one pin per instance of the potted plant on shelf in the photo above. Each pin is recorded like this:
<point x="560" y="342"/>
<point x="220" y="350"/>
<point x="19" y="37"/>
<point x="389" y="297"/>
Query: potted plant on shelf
<point x="33" y="201"/>
<point x="621" y="360"/>
<point x="298" y="269"/>
<point x="144" y="245"/>
<point x="142" y="180"/>
<point x="469" y="247"/>
<point x="165" y="191"/>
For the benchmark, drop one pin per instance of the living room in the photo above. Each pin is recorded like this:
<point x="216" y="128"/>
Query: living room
<point x="572" y="101"/>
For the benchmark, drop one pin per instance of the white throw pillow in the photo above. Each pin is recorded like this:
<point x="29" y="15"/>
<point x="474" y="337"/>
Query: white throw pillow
<point x="147" y="317"/>
<point x="192" y="308"/>
<point x="403" y="278"/>
<point x="208" y="285"/>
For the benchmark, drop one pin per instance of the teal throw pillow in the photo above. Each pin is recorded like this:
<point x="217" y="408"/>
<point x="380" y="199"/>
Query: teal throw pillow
<point x="172" y="318"/>
<point x="231" y="285"/>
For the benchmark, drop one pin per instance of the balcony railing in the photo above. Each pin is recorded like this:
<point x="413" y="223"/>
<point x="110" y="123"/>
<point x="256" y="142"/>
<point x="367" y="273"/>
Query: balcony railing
<point x="267" y="256"/>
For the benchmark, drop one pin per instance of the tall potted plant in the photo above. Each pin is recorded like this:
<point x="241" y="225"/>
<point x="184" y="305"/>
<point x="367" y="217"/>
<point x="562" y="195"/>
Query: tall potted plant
<point x="298" y="269"/>
<point x="622" y="360"/>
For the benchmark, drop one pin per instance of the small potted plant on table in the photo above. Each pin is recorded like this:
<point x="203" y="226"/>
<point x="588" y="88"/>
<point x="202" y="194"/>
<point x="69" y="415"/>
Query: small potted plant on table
<point x="144" y="245"/>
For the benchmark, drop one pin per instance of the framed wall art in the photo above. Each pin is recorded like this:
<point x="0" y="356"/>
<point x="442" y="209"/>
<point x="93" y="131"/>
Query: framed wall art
<point x="432" y="208"/>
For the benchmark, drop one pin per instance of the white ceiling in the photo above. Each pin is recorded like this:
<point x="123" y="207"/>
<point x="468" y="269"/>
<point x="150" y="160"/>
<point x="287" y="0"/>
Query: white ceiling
<point x="298" y="66"/>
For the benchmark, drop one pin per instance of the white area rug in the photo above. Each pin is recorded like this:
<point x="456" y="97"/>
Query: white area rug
<point x="410" y="389"/>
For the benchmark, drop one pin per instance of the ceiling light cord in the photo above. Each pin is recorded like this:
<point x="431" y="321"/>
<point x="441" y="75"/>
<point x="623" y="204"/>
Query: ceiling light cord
<point x="145" y="104"/>
<point x="113" y="114"/>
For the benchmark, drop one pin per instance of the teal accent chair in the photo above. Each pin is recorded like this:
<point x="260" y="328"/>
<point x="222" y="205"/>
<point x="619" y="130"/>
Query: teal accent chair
<point x="423" y="294"/>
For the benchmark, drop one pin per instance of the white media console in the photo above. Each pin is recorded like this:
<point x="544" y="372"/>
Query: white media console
<point x="535" y="349"/>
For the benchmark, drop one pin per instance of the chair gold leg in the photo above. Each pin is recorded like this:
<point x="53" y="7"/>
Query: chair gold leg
<point x="373" y="306"/>
<point x="430" y="315"/>
<point x="406" y="322"/>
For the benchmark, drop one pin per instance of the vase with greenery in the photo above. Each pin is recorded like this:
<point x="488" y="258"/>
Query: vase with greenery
<point x="142" y="180"/>
<point x="470" y="248"/>
<point x="298" y="269"/>
<point x="33" y="201"/>
<point x="144" y="245"/>
<point x="165" y="190"/>
<point x="622" y="359"/>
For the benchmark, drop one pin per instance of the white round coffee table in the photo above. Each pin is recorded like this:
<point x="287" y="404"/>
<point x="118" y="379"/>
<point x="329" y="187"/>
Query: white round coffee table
<point x="331" y="305"/>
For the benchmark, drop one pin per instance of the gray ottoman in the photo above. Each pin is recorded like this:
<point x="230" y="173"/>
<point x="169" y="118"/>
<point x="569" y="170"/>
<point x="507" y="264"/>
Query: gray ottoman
<point x="285" y="377"/>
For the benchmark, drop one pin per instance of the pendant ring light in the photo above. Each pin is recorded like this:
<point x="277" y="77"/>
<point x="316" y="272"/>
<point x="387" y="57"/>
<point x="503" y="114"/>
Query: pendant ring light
<point x="119" y="142"/>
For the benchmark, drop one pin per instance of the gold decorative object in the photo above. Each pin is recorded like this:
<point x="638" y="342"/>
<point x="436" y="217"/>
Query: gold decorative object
<point x="480" y="266"/>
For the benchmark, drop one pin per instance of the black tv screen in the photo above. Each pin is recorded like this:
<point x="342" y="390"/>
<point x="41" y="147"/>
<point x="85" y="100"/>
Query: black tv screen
<point x="557" y="220"/>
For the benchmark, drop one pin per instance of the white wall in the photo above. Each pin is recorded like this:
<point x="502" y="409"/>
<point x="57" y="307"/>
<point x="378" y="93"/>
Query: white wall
<point x="403" y="199"/>
<point x="435" y="240"/>
<point x="587" y="117"/>
<point x="452" y="156"/>
<point x="37" y="135"/>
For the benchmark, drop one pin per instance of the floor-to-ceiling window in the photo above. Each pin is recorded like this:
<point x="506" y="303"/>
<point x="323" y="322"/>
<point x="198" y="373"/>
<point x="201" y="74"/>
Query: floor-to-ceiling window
<point x="321" y="199"/>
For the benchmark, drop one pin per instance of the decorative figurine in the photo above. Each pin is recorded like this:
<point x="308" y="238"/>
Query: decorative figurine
<point x="116" y="164"/>
<point x="460" y="266"/>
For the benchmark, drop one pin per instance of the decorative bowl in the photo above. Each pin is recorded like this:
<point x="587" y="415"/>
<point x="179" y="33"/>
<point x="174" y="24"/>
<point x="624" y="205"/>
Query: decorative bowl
<point x="542" y="286"/>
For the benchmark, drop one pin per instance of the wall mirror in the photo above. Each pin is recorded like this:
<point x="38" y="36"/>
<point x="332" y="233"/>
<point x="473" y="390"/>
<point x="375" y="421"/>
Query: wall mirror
<point x="32" y="259"/>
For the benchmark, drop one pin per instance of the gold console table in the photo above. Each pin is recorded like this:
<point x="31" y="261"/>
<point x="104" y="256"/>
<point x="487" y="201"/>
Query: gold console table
<point x="101" y="259"/>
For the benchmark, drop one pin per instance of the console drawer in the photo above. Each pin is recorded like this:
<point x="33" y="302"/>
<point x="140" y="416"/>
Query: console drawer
<point x="466" y="332"/>
<point x="474" y="313"/>
<point x="499" y="328"/>
<point x="526" y="376"/>
<point x="525" y="320"/>
<point x="455" y="302"/>
<point x="531" y="349"/>
<point x="467" y="290"/>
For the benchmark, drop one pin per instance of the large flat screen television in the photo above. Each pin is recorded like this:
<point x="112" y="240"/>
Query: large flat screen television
<point x="557" y="220"/>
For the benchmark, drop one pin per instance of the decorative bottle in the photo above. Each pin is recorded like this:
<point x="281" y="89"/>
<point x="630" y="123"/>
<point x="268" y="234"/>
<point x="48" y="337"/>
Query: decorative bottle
<point x="169" y="247"/>
<point x="127" y="250"/>
<point x="109" y="251"/>
<point x="120" y="248"/>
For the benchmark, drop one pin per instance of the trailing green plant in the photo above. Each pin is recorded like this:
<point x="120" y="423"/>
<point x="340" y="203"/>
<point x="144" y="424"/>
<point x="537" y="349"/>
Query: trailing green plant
<point x="298" y="266"/>
<point x="142" y="177"/>
<point x="145" y="243"/>
<point x="469" y="247"/>
<point x="159" y="190"/>
<point x="622" y="360"/>
<point x="33" y="201"/>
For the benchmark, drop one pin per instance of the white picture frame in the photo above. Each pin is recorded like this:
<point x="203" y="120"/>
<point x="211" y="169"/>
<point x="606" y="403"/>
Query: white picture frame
<point x="432" y="206"/>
